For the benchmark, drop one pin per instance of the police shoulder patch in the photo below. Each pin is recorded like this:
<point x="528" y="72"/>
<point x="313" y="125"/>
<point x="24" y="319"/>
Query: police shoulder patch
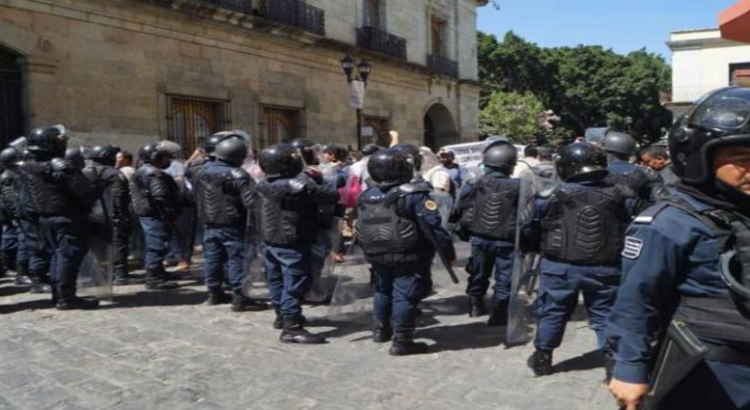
<point x="430" y="205"/>
<point x="633" y="247"/>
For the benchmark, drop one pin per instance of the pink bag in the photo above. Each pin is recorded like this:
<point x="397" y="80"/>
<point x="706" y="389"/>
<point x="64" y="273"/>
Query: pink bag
<point x="349" y="194"/>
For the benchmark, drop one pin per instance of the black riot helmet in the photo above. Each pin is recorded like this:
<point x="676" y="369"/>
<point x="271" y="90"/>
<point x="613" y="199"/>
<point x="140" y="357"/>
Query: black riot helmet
<point x="154" y="152"/>
<point x="9" y="157"/>
<point x="76" y="157"/>
<point x="370" y="149"/>
<point x="719" y="118"/>
<point x="307" y="148"/>
<point x="282" y="160"/>
<point x="619" y="144"/>
<point x="501" y="157"/>
<point x="105" y="154"/>
<point x="48" y="141"/>
<point x="412" y="152"/>
<point x="390" y="166"/>
<point x="209" y="145"/>
<point x="232" y="150"/>
<point x="581" y="162"/>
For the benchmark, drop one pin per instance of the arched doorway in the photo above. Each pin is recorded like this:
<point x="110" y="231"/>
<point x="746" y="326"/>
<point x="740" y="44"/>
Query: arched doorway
<point x="12" y="119"/>
<point x="439" y="127"/>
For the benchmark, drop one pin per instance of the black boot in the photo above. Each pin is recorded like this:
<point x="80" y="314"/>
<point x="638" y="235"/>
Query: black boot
<point x="541" y="362"/>
<point x="294" y="332"/>
<point x="609" y="368"/>
<point x="155" y="280"/>
<point x="37" y="286"/>
<point x="382" y="332"/>
<point x="277" y="323"/>
<point x="67" y="300"/>
<point x="404" y="345"/>
<point x="242" y="303"/>
<point x="124" y="279"/>
<point x="476" y="306"/>
<point x="217" y="296"/>
<point x="499" y="315"/>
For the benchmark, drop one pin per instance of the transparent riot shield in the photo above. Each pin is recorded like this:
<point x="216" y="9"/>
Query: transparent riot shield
<point x="521" y="318"/>
<point x="352" y="299"/>
<point x="95" y="275"/>
<point x="255" y="284"/>
<point x="323" y="262"/>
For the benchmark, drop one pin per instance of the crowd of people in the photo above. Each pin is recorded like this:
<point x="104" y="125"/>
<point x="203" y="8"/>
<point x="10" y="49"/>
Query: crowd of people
<point x="656" y="240"/>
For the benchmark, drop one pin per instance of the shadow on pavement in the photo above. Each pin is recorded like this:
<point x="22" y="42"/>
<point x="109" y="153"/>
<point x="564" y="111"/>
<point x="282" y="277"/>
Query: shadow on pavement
<point x="463" y="337"/>
<point x="13" y="290"/>
<point x="588" y="361"/>
<point x="175" y="297"/>
<point x="44" y="303"/>
<point x="454" y="305"/>
<point x="342" y="328"/>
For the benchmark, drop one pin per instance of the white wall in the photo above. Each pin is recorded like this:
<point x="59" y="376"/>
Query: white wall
<point x="700" y="63"/>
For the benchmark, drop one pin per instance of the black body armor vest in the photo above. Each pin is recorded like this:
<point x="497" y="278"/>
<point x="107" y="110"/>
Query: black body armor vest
<point x="386" y="235"/>
<point x="585" y="226"/>
<point x="9" y="194"/>
<point x="495" y="212"/>
<point x="218" y="203"/>
<point x="282" y="218"/>
<point x="47" y="197"/>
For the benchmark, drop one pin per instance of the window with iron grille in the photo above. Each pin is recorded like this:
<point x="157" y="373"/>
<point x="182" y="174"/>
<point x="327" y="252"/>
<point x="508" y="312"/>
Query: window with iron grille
<point x="280" y="124"/>
<point x="190" y="120"/>
<point x="11" y="97"/>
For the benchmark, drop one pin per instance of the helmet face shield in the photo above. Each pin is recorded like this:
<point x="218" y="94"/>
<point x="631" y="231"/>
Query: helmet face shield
<point x="725" y="110"/>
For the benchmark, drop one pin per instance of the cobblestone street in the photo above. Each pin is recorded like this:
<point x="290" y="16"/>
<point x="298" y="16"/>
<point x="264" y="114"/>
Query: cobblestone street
<point x="153" y="350"/>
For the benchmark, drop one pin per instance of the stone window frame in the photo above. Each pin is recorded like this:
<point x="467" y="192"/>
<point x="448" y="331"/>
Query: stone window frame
<point x="381" y="17"/>
<point x="218" y="109"/>
<point x="301" y="121"/>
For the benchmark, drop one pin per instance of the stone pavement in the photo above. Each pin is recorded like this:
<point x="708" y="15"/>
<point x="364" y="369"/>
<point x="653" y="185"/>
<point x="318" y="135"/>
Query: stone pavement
<point x="165" y="350"/>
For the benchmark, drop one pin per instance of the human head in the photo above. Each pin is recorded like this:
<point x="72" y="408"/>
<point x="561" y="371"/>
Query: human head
<point x="546" y="153"/>
<point x="446" y="157"/>
<point x="531" y="151"/>
<point x="620" y="145"/>
<point x="655" y="157"/>
<point x="48" y="141"/>
<point x="335" y="153"/>
<point x="105" y="154"/>
<point x="281" y="160"/>
<point x="579" y="162"/>
<point x="232" y="150"/>
<point x="708" y="144"/>
<point x="390" y="166"/>
<point x="124" y="159"/>
<point x="501" y="158"/>
<point x="309" y="150"/>
<point x="154" y="154"/>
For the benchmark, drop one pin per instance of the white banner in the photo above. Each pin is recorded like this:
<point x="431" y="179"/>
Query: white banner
<point x="357" y="94"/>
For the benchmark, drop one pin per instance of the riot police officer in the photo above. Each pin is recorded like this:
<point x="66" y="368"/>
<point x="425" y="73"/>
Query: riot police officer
<point x="394" y="218"/>
<point x="415" y="157"/>
<point x="61" y="196"/>
<point x="620" y="149"/>
<point x="9" y="158"/>
<point x="287" y="216"/>
<point x="685" y="262"/>
<point x="226" y="194"/>
<point x="580" y="228"/>
<point x="154" y="194"/>
<point x="110" y="215"/>
<point x="487" y="211"/>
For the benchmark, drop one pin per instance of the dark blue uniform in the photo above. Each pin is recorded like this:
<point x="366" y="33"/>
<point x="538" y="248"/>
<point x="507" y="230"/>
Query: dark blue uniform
<point x="489" y="254"/>
<point x="224" y="239"/>
<point x="646" y="183"/>
<point x="561" y="280"/>
<point x="287" y="212"/>
<point x="672" y="254"/>
<point x="402" y="281"/>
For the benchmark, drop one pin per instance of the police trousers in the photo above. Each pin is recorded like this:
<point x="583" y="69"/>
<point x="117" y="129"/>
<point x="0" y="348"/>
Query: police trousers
<point x="487" y="258"/>
<point x="289" y="275"/>
<point x="398" y="291"/>
<point x="224" y="251"/>
<point x="33" y="251"/>
<point x="9" y="245"/>
<point x="158" y="234"/>
<point x="559" y="287"/>
<point x="67" y="240"/>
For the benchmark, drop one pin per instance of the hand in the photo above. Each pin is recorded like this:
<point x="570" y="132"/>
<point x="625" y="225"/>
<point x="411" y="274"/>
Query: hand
<point x="628" y="395"/>
<point x="314" y="172"/>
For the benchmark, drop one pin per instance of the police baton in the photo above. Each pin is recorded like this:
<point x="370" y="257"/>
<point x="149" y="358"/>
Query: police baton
<point x="443" y="259"/>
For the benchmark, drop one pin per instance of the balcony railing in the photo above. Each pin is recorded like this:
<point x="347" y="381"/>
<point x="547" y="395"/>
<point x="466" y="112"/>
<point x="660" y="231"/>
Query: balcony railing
<point x="443" y="65"/>
<point x="381" y="41"/>
<point x="295" y="13"/>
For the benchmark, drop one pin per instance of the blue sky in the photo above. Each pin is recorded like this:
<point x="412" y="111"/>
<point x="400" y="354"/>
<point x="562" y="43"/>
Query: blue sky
<point x="623" y="25"/>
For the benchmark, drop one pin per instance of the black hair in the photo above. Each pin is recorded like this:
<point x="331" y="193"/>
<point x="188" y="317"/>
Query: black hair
<point x="530" y="151"/>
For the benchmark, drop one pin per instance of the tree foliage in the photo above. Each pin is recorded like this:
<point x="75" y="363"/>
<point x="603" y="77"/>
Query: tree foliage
<point x="587" y="86"/>
<point x="516" y="116"/>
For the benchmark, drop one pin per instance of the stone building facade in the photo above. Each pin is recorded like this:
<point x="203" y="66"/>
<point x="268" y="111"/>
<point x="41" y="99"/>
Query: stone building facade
<point x="133" y="71"/>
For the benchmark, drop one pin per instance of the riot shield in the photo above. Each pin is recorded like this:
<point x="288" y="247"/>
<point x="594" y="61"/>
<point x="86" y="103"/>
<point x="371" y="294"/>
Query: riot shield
<point x="521" y="318"/>
<point x="323" y="262"/>
<point x="95" y="275"/>
<point x="353" y="296"/>
<point x="255" y="284"/>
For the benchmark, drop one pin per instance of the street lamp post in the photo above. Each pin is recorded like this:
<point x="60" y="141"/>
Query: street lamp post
<point x="348" y="64"/>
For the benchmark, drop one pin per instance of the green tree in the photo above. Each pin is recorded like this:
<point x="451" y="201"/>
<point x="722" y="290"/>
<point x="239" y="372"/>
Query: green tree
<point x="516" y="116"/>
<point x="587" y="86"/>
